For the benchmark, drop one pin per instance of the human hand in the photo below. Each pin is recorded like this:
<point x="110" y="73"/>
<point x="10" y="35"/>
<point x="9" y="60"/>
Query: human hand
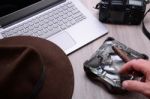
<point x="142" y="66"/>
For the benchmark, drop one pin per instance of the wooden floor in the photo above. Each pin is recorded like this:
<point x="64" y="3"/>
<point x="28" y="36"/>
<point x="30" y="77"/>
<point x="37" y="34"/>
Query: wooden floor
<point x="130" y="35"/>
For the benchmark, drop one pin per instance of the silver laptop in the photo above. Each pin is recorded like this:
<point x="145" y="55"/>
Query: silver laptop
<point x="67" y="23"/>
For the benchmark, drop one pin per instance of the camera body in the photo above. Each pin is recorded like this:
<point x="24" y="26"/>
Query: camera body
<point x="122" y="11"/>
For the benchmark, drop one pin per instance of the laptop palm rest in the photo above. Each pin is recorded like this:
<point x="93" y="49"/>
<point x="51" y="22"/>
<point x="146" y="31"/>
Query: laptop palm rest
<point x="63" y="40"/>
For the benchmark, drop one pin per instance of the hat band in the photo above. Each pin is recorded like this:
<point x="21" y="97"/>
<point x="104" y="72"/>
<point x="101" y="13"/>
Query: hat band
<point x="38" y="84"/>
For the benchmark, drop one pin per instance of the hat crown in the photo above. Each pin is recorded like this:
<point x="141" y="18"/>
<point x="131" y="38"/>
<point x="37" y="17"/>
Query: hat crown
<point x="20" y="70"/>
<point x="56" y="74"/>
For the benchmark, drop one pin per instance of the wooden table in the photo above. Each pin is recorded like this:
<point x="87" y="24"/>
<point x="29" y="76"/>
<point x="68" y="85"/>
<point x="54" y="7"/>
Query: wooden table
<point x="132" y="36"/>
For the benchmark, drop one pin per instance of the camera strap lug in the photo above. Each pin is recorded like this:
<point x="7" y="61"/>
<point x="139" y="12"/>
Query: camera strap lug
<point x="97" y="6"/>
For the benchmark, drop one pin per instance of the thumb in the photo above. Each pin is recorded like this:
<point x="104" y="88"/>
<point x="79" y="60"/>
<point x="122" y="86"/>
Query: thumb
<point x="135" y="86"/>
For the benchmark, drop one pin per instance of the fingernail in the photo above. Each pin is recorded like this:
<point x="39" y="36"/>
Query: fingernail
<point x="124" y="84"/>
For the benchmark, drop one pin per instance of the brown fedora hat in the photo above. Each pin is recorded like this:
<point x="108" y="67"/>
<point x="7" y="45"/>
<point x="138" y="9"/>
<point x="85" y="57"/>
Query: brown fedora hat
<point x="34" y="68"/>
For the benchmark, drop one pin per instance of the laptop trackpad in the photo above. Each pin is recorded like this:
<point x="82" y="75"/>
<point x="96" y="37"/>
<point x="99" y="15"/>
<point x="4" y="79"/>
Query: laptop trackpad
<point x="63" y="40"/>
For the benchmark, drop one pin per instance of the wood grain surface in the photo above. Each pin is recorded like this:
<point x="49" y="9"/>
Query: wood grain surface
<point x="131" y="36"/>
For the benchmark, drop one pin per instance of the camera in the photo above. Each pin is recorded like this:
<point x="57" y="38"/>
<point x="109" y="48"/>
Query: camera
<point x="122" y="11"/>
<point x="104" y="64"/>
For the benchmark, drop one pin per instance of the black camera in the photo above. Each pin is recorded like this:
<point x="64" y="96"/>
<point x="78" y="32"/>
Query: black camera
<point x="122" y="11"/>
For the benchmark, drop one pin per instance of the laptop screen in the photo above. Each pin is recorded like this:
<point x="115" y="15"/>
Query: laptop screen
<point x="12" y="10"/>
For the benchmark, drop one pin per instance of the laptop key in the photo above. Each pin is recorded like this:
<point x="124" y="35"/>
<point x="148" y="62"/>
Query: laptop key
<point x="46" y="35"/>
<point x="63" y="27"/>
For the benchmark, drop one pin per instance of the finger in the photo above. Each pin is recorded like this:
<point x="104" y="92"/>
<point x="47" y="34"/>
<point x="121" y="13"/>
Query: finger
<point x="135" y="86"/>
<point x="139" y="65"/>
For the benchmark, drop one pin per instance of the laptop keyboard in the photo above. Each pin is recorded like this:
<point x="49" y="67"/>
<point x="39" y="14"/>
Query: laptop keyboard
<point x="49" y="23"/>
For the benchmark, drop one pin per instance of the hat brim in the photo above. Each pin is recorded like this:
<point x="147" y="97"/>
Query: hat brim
<point x="59" y="80"/>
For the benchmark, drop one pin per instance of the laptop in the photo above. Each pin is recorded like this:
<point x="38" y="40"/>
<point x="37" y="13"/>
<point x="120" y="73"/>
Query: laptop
<point x="67" y="23"/>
